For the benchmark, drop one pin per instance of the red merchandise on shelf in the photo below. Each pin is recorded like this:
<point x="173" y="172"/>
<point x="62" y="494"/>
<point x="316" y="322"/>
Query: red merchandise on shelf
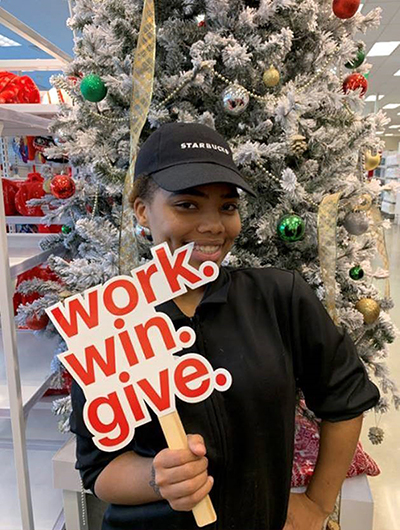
<point x="65" y="389"/>
<point x="52" y="229"/>
<point x="36" y="322"/>
<point x="32" y="188"/>
<point x="44" y="273"/>
<point x="10" y="189"/>
<point x="18" y="89"/>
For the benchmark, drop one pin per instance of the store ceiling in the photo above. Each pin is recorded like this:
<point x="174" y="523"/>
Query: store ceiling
<point x="48" y="17"/>
<point x="381" y="79"/>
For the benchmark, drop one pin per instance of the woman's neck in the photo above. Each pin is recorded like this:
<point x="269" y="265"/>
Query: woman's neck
<point x="189" y="301"/>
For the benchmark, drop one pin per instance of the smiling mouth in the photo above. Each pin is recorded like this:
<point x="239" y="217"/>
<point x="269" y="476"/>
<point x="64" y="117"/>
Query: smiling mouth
<point x="207" y="249"/>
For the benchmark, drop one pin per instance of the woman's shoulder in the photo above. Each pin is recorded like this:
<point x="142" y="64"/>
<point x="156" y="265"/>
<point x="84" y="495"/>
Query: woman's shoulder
<point x="264" y="278"/>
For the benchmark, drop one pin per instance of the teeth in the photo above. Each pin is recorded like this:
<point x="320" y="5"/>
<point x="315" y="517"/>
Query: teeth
<point x="207" y="249"/>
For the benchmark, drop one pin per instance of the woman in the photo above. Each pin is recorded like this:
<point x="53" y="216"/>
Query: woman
<point x="269" y="330"/>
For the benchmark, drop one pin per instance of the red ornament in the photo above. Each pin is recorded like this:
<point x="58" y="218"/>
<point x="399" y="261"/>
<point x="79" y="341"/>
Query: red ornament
<point x="345" y="8"/>
<point x="37" y="322"/>
<point x="354" y="81"/>
<point x="62" y="186"/>
<point x="32" y="188"/>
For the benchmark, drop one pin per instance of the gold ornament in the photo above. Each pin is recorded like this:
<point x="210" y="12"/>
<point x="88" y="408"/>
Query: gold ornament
<point x="271" y="76"/>
<point x="332" y="525"/>
<point x="369" y="308"/>
<point x="298" y="144"/>
<point x="372" y="161"/>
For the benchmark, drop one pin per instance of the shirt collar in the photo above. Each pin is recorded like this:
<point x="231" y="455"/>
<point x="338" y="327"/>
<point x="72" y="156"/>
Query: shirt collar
<point x="216" y="293"/>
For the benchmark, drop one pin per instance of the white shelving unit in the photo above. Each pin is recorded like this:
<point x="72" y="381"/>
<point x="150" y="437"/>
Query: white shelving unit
<point x="29" y="220"/>
<point x="28" y="430"/>
<point x="389" y="172"/>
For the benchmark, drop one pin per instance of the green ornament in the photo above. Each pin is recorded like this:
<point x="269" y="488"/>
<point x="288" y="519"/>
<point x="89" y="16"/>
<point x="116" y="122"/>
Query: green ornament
<point x="291" y="228"/>
<point x="366" y="75"/>
<point x="66" y="229"/>
<point x="358" y="59"/>
<point x="356" y="273"/>
<point x="93" y="88"/>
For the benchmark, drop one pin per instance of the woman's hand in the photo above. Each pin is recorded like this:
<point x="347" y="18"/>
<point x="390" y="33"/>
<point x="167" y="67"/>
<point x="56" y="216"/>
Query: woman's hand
<point x="304" y="514"/>
<point x="181" y="476"/>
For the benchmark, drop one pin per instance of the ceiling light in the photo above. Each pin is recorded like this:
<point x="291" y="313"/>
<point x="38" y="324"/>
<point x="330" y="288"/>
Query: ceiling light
<point x="380" y="49"/>
<point x="4" y="41"/>
<point x="380" y="132"/>
<point x="373" y="98"/>
<point x="391" y="106"/>
<point x="389" y="134"/>
<point x="394" y="127"/>
<point x="397" y="73"/>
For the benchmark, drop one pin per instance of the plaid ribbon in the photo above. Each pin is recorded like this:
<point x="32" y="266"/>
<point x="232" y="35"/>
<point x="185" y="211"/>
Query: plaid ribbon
<point x="143" y="78"/>
<point x="327" y="249"/>
<point x="379" y="234"/>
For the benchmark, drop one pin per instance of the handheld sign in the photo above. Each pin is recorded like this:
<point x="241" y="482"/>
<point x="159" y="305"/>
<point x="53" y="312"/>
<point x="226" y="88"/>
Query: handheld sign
<point x="121" y="352"/>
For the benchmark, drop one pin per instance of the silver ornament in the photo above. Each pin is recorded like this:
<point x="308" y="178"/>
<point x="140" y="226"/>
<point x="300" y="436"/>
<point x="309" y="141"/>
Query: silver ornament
<point x="356" y="223"/>
<point x="298" y="144"/>
<point x="235" y="99"/>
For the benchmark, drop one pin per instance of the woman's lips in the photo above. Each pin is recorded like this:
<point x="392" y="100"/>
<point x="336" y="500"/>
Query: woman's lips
<point x="207" y="252"/>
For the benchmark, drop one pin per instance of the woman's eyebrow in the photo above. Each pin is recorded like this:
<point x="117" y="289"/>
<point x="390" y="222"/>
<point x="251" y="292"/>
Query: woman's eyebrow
<point x="197" y="193"/>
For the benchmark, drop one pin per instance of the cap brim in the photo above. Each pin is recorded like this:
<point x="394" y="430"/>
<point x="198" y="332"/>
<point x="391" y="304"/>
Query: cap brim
<point x="183" y="176"/>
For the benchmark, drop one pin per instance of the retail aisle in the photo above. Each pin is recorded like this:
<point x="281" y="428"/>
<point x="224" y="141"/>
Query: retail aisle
<point x="386" y="487"/>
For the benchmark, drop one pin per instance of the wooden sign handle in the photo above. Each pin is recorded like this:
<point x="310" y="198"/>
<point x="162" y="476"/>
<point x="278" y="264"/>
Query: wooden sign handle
<point x="175" y="435"/>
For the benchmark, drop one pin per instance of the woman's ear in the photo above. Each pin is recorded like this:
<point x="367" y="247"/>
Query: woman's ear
<point x="140" y="211"/>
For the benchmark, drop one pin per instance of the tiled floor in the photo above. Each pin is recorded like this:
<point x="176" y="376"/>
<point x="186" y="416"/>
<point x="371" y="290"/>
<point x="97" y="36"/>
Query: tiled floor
<point x="386" y="487"/>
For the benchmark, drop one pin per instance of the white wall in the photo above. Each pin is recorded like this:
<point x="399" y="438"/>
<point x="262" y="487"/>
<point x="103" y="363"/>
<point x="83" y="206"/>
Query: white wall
<point x="391" y="143"/>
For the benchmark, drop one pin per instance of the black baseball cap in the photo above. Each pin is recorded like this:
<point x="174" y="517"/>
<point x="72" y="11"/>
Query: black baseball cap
<point x="182" y="155"/>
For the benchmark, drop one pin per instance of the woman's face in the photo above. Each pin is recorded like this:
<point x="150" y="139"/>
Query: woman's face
<point x="206" y="215"/>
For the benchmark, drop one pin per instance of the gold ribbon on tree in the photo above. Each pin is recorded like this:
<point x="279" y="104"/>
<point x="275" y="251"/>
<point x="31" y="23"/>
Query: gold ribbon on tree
<point x="378" y="231"/>
<point x="143" y="78"/>
<point x="327" y="249"/>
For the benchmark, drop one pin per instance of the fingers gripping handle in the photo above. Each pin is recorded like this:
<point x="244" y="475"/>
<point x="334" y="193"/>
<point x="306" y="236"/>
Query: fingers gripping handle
<point x="175" y="435"/>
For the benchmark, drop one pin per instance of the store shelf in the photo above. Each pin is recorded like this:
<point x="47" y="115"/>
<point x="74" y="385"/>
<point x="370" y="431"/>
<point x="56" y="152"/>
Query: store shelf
<point x="25" y="253"/>
<point x="26" y="119"/>
<point x="35" y="353"/>
<point x="43" y="442"/>
<point x="30" y="220"/>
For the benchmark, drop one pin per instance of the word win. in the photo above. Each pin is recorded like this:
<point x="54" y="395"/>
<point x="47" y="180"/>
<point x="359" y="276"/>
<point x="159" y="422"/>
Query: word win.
<point x="121" y="350"/>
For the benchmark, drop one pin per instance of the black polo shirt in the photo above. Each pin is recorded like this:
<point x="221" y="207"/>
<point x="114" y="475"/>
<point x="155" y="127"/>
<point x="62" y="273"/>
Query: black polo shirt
<point x="268" y="329"/>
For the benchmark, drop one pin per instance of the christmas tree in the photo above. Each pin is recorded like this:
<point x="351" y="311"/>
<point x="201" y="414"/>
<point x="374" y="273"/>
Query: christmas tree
<point x="283" y="81"/>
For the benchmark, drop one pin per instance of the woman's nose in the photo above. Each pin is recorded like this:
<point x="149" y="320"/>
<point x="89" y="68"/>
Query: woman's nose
<point x="211" y="223"/>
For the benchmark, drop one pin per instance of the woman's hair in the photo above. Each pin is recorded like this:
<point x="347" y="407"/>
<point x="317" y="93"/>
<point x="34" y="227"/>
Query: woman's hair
<point x="144" y="188"/>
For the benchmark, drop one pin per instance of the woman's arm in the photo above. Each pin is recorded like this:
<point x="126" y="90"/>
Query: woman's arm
<point x="178" y="476"/>
<point x="126" y="480"/>
<point x="308" y="511"/>
<point x="337" y="446"/>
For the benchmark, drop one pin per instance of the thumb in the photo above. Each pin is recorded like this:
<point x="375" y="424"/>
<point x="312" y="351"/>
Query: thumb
<point x="196" y="444"/>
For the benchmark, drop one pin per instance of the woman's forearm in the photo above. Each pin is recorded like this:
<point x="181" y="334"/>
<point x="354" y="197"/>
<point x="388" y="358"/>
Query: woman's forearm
<point x="337" y="446"/>
<point x="127" y="480"/>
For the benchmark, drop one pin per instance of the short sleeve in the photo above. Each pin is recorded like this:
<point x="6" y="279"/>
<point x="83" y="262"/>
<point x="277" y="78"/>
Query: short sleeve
<point x="90" y="460"/>
<point x="327" y="367"/>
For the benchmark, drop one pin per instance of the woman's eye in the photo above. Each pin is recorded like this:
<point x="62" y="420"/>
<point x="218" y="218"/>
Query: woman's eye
<point x="186" y="205"/>
<point x="231" y="207"/>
